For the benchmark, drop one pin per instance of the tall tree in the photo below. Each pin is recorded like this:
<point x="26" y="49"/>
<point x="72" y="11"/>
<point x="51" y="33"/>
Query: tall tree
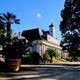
<point x="70" y="27"/>
<point x="8" y="19"/>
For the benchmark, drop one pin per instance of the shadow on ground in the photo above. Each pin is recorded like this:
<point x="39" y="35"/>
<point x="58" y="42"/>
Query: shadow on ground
<point x="46" y="72"/>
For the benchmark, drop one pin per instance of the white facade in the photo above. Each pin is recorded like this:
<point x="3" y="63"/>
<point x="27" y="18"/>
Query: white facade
<point x="53" y="40"/>
<point x="52" y="30"/>
<point x="40" y="46"/>
<point x="42" y="40"/>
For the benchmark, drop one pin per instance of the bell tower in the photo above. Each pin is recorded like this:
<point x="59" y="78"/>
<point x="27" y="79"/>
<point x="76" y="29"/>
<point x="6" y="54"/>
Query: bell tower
<point x="52" y="30"/>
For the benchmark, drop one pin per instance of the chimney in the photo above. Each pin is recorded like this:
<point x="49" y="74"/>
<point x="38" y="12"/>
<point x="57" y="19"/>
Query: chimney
<point x="52" y="30"/>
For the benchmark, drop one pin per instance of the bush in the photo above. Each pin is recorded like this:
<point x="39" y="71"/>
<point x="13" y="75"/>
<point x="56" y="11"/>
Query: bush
<point x="35" y="58"/>
<point x="26" y="60"/>
<point x="46" y="57"/>
<point x="58" y="56"/>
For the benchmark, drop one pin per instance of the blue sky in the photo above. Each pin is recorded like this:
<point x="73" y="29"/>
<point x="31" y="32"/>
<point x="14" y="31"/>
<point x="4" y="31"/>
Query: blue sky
<point x="34" y="13"/>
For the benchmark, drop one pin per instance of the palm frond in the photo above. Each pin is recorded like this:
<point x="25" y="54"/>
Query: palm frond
<point x="17" y="21"/>
<point x="2" y="18"/>
<point x="13" y="16"/>
<point x="6" y="16"/>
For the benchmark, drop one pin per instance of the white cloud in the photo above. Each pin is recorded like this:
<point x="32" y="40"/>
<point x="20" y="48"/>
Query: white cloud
<point x="39" y="15"/>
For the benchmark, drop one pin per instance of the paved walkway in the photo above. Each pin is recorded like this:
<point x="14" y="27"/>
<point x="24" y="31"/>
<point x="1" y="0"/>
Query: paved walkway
<point x="44" y="72"/>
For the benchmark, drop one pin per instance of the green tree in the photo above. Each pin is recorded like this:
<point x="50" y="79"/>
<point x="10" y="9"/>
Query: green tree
<point x="16" y="49"/>
<point x="52" y="52"/>
<point x="7" y="20"/>
<point x="13" y="47"/>
<point x="2" y="33"/>
<point x="70" y="27"/>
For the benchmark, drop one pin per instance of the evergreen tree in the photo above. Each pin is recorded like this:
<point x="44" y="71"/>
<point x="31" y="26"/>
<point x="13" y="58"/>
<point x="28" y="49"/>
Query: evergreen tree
<point x="70" y="27"/>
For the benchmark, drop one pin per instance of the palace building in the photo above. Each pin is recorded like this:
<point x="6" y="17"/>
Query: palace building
<point x="42" y="40"/>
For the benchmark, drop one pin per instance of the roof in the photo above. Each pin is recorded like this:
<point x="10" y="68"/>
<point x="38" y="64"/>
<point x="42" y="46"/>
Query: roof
<point x="38" y="34"/>
<point x="51" y="25"/>
<point x="33" y="34"/>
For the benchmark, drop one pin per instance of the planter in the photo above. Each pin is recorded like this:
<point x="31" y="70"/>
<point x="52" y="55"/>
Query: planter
<point x="14" y="64"/>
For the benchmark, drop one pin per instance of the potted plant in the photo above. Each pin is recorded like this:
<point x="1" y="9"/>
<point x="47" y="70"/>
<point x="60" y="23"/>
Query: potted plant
<point x="12" y="47"/>
<point x="13" y="52"/>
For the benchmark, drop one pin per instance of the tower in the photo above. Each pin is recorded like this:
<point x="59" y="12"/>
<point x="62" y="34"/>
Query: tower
<point x="52" y="30"/>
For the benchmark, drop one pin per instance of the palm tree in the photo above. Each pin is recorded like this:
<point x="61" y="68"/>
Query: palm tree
<point x="52" y="52"/>
<point x="8" y="19"/>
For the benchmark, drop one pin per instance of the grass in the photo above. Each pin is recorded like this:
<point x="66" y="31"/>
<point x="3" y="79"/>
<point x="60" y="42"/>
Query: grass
<point x="59" y="60"/>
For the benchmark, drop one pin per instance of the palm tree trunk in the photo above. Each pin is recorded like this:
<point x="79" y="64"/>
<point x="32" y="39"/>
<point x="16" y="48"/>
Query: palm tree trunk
<point x="8" y="27"/>
<point x="51" y="59"/>
<point x="8" y="31"/>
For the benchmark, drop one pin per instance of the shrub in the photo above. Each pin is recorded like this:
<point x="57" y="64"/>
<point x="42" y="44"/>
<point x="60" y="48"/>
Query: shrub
<point x="46" y="56"/>
<point x="35" y="58"/>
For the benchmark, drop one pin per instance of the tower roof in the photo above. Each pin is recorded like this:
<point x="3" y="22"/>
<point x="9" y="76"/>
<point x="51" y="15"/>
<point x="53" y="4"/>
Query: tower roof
<point x="51" y="25"/>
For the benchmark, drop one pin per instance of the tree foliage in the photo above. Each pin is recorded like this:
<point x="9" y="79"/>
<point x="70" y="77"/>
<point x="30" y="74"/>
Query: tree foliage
<point x="6" y="20"/>
<point x="46" y="56"/>
<point x="70" y="27"/>
<point x="51" y="52"/>
<point x="12" y="46"/>
<point x="16" y="48"/>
